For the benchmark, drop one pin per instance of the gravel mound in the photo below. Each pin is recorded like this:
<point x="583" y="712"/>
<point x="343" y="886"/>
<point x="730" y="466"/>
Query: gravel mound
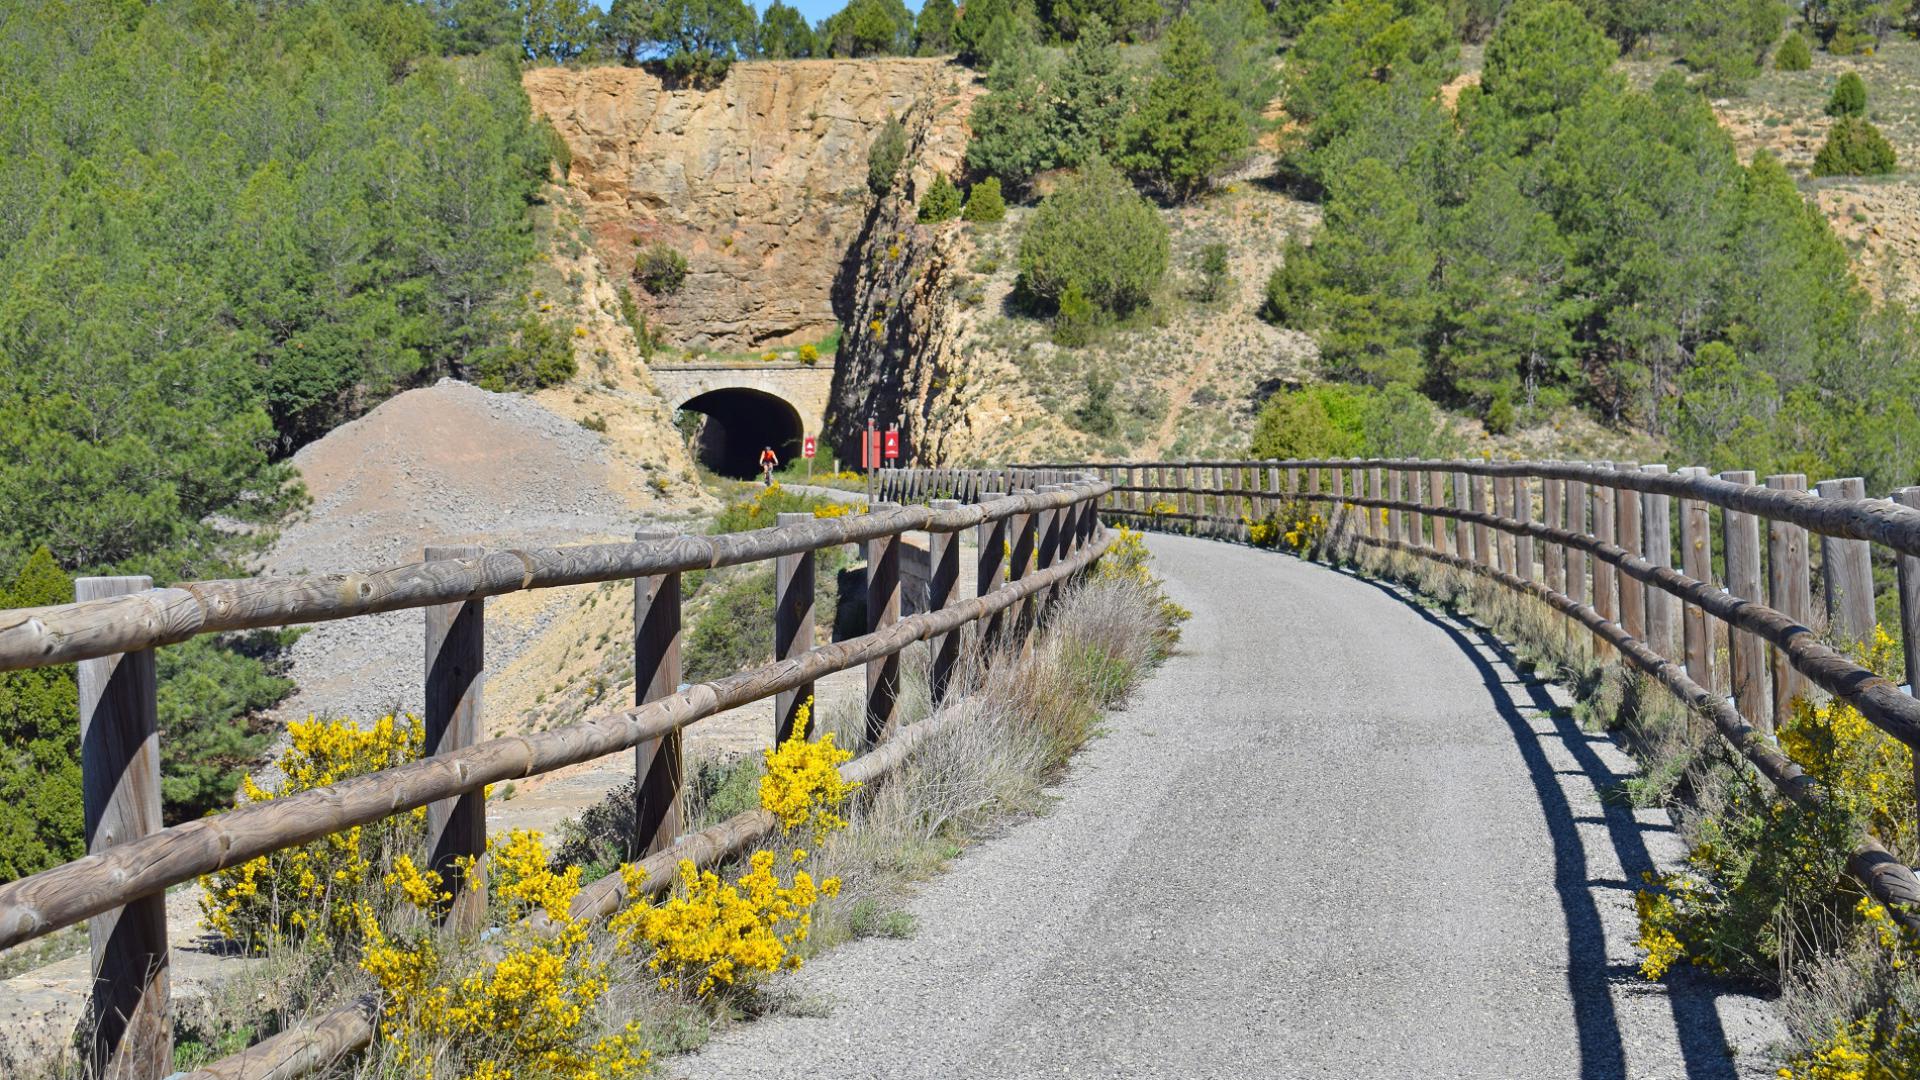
<point x="445" y="464"/>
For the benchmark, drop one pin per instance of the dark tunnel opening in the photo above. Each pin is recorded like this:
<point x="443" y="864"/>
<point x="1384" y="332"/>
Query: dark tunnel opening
<point x="730" y="427"/>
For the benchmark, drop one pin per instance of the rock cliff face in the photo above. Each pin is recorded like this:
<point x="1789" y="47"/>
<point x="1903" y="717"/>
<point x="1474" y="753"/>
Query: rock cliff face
<point x="760" y="181"/>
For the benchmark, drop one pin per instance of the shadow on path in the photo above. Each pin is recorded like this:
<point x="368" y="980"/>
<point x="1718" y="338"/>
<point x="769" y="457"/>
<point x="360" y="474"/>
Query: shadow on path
<point x="1702" y="1039"/>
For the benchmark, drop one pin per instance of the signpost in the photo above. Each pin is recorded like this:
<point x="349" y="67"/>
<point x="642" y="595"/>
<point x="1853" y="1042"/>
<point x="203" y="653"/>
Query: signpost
<point x="806" y="451"/>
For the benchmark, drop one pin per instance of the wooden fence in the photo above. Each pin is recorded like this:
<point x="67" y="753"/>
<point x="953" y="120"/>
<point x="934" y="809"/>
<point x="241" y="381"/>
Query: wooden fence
<point x="1597" y="541"/>
<point x="117" y="623"/>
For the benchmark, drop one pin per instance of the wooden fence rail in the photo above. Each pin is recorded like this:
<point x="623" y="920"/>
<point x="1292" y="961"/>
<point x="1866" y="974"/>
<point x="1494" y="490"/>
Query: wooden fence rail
<point x="114" y="627"/>
<point x="1608" y="565"/>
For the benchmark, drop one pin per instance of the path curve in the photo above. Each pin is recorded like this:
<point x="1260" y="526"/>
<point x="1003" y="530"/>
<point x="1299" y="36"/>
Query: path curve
<point x="1336" y="836"/>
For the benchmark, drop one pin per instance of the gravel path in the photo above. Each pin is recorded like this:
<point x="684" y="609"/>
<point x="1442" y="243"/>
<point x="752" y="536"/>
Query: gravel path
<point x="1337" y="836"/>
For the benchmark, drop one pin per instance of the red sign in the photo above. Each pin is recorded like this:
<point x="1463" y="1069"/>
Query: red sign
<point x="893" y="443"/>
<point x="806" y="447"/>
<point x="870" y="450"/>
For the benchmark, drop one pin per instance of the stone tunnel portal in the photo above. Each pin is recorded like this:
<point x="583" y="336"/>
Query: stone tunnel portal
<point x="734" y="424"/>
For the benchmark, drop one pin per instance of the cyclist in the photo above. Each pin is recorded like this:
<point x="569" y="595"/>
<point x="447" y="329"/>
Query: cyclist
<point x="767" y="463"/>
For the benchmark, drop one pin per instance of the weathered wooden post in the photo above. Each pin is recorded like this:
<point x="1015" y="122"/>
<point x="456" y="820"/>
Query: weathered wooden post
<point x="989" y="571"/>
<point x="1437" y="498"/>
<point x="1605" y="596"/>
<point x="1025" y="530"/>
<point x="1746" y="653"/>
<point x="1553" y="494"/>
<point x="1396" y="520"/>
<point x="1047" y="547"/>
<point x="1630" y="533"/>
<point x="658" y="769"/>
<point x="943" y="556"/>
<point x="132" y="1036"/>
<point x="1523" y="561"/>
<point x="1656" y="511"/>
<point x="457" y="827"/>
<point x="1477" y="500"/>
<point x="1848" y="567"/>
<point x="793" y="597"/>
<point x="1574" y="506"/>
<point x="1696" y="561"/>
<point x="1908" y="569"/>
<point x="883" y="610"/>
<point x="1503" y="507"/>
<point x="1788" y="592"/>
<point x="1376" y="519"/>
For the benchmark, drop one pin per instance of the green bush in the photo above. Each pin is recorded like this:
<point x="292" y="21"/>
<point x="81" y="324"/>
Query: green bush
<point x="1854" y="147"/>
<point x="889" y="149"/>
<point x="985" y="205"/>
<point x="1187" y="128"/>
<point x="40" y="809"/>
<point x="1344" y="420"/>
<point x="660" y="269"/>
<point x="538" y="354"/>
<point x="1095" y="233"/>
<point x="1849" y="96"/>
<point x="1210" y="263"/>
<point x="733" y="627"/>
<point x="1794" y="53"/>
<point x="1096" y="415"/>
<point x="1074" y="319"/>
<point x="941" y="202"/>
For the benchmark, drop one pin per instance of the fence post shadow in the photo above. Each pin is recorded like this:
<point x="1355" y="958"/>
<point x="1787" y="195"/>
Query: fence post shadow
<point x="1701" y="1036"/>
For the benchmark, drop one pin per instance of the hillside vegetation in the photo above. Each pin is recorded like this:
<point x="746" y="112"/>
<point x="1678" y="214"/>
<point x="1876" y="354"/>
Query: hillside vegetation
<point x="224" y="229"/>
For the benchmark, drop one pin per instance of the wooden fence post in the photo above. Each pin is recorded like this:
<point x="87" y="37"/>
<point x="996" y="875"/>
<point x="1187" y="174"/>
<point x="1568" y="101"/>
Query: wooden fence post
<point x="456" y="670"/>
<point x="658" y="769"/>
<point x="794" y="582"/>
<point x="990" y="567"/>
<point x="1396" y="519"/>
<point x="1848" y="570"/>
<point x="1553" y="494"/>
<point x="1630" y="534"/>
<point x="132" y="1036"/>
<point x="883" y="610"/>
<point x="1696" y="561"/>
<point x="1477" y="494"/>
<point x="943" y="557"/>
<point x="1909" y="578"/>
<point x="1574" y="506"/>
<point x="1605" y="596"/>
<point x="1657" y="515"/>
<point x="1504" y="508"/>
<point x="1025" y="530"/>
<point x="1746" y="653"/>
<point x="1524" y="564"/>
<point x="1437" y="498"/>
<point x="1376" y="519"/>
<point x="1788" y="593"/>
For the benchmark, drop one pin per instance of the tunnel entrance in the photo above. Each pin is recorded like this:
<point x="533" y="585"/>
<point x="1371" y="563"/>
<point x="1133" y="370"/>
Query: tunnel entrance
<point x="730" y="427"/>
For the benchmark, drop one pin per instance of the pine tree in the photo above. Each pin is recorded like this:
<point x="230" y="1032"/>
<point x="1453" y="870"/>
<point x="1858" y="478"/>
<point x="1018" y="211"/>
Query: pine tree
<point x="1186" y="128"/>
<point x="1091" y="95"/>
<point x="941" y="202"/>
<point x="40" y="807"/>
<point x="1854" y="147"/>
<point x="1849" y="96"/>
<point x="933" y="28"/>
<point x="1010" y="124"/>
<point x="1098" y="236"/>
<point x="985" y="206"/>
<point x="1370" y="296"/>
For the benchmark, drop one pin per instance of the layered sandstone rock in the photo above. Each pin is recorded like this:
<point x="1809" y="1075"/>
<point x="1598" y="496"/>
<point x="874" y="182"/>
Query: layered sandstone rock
<point x="760" y="181"/>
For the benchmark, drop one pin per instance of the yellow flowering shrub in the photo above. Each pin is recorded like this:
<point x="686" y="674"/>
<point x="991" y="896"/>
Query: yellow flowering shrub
<point x="802" y="785"/>
<point x="310" y="890"/>
<point x="809" y="354"/>
<point x="1870" y="1048"/>
<point x="523" y="1008"/>
<point x="834" y="510"/>
<point x="713" y="933"/>
<point x="1841" y="749"/>
<point x="1127" y="559"/>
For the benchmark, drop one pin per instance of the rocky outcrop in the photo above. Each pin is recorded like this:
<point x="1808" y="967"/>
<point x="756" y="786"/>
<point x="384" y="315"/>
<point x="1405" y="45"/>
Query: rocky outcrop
<point x="901" y="360"/>
<point x="760" y="181"/>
